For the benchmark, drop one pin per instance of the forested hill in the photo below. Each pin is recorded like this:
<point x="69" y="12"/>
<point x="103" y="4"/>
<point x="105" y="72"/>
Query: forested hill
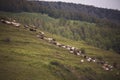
<point x="96" y="26"/>
<point x="60" y="9"/>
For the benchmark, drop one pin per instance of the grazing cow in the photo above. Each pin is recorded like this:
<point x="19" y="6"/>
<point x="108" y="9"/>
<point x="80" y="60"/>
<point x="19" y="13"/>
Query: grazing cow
<point x="110" y="67"/>
<point x="15" y="24"/>
<point x="38" y="36"/>
<point x="63" y="46"/>
<point x="26" y="26"/>
<point x="72" y="48"/>
<point x="31" y="29"/>
<point x="58" y="44"/>
<point x="106" y="66"/>
<point x="14" y="20"/>
<point x="45" y="38"/>
<point x="82" y="60"/>
<point x="7" y="22"/>
<point x="34" y="27"/>
<point x="41" y="33"/>
<point x="2" y="20"/>
<point x="72" y="52"/>
<point x="84" y="56"/>
<point x="94" y="60"/>
<point x="89" y="59"/>
<point x="79" y="52"/>
<point x="76" y="51"/>
<point x="68" y="48"/>
<point x="41" y="37"/>
<point x="53" y="42"/>
<point x="50" y="39"/>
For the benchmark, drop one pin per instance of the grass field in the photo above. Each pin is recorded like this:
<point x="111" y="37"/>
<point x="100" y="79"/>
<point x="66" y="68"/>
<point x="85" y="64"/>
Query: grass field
<point x="25" y="57"/>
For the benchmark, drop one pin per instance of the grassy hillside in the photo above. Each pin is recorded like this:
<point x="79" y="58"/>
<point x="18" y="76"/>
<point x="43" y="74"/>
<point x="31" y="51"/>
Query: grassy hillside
<point x="102" y="36"/>
<point x="25" y="57"/>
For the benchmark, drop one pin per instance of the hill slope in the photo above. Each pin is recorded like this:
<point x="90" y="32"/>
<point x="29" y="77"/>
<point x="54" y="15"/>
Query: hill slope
<point x="104" y="37"/>
<point x="25" y="57"/>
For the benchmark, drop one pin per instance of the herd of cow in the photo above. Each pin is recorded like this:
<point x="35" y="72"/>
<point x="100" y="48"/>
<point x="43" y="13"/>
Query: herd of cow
<point x="72" y="50"/>
<point x="13" y="22"/>
<point x="76" y="51"/>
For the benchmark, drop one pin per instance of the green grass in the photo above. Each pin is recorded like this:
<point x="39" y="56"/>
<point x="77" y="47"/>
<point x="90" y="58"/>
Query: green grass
<point x="25" y="57"/>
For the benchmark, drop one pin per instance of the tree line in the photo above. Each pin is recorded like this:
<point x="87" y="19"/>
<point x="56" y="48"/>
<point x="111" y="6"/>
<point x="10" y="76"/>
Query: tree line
<point x="60" y="9"/>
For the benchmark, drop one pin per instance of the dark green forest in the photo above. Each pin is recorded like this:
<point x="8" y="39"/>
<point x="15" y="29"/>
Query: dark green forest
<point x="60" y="9"/>
<point x="98" y="27"/>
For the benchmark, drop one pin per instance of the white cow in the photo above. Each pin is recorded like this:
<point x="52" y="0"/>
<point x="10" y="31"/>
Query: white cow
<point x="94" y="60"/>
<point x="63" y="46"/>
<point x="89" y="59"/>
<point x="58" y="44"/>
<point x="73" y="48"/>
<point x="77" y="53"/>
<point x="7" y="22"/>
<point x="42" y="33"/>
<point x="82" y="60"/>
<point x="15" y="24"/>
<point x="72" y="52"/>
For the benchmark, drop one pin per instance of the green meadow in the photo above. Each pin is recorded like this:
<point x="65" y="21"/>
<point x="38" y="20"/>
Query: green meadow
<point x="23" y="56"/>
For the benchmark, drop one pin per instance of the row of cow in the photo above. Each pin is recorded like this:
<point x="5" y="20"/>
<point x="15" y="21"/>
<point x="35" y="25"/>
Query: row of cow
<point x="13" y="22"/>
<point x="76" y="51"/>
<point x="71" y="49"/>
